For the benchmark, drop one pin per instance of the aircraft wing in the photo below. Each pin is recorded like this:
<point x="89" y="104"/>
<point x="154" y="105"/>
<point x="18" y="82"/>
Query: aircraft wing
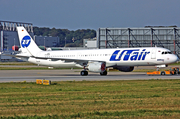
<point x="77" y="61"/>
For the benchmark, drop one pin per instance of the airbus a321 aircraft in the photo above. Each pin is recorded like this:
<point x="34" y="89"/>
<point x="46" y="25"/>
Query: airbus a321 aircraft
<point x="94" y="60"/>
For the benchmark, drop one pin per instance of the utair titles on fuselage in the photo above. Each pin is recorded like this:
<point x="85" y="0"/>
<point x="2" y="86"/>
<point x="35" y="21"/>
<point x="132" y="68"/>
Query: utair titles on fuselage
<point x="93" y="60"/>
<point x="135" y="55"/>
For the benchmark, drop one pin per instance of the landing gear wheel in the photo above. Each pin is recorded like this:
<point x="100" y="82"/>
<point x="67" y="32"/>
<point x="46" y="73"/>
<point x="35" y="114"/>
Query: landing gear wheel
<point x="103" y="73"/>
<point x="84" y="73"/>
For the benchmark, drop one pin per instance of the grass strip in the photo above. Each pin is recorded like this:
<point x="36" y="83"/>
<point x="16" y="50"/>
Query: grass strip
<point x="116" y="114"/>
<point x="91" y="99"/>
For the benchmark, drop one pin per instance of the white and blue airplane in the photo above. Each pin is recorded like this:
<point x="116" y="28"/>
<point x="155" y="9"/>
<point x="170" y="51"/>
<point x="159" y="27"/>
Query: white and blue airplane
<point x="93" y="60"/>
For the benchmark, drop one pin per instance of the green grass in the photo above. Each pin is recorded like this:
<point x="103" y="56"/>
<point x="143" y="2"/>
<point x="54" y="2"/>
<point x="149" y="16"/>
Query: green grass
<point x="91" y="99"/>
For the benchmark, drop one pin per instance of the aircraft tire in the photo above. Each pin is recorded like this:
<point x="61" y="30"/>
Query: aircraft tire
<point x="103" y="73"/>
<point x="84" y="73"/>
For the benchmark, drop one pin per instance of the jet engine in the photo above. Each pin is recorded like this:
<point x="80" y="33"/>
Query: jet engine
<point x="124" y="68"/>
<point x="97" y="67"/>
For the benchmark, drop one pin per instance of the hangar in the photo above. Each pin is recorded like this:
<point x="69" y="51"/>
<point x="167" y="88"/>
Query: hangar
<point x="9" y="35"/>
<point x="149" y="36"/>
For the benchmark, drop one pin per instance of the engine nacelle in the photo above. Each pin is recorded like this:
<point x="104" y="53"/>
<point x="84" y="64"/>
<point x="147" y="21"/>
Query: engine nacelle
<point x="124" y="68"/>
<point x="97" y="67"/>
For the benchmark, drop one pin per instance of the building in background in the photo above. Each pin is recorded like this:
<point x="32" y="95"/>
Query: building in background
<point x="9" y="36"/>
<point x="47" y="41"/>
<point x="149" y="36"/>
<point x="90" y="43"/>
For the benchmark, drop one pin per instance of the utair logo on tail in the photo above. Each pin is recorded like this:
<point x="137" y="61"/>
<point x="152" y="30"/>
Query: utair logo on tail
<point x="125" y="55"/>
<point x="25" y="41"/>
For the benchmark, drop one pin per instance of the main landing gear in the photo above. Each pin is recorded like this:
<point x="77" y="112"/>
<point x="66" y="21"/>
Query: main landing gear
<point x="84" y="73"/>
<point x="104" y="73"/>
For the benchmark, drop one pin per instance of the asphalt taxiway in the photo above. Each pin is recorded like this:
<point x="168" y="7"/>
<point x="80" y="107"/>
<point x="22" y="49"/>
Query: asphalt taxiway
<point x="74" y="75"/>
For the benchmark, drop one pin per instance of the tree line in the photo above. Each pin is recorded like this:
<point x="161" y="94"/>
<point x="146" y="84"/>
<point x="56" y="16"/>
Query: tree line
<point x="70" y="38"/>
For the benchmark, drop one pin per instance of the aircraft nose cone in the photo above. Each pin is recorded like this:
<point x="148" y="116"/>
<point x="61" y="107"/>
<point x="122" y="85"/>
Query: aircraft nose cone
<point x="175" y="58"/>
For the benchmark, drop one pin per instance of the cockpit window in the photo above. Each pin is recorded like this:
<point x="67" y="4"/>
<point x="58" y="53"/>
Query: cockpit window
<point x="166" y="52"/>
<point x="169" y="52"/>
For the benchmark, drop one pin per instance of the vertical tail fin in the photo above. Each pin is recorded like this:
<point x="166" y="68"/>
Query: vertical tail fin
<point x="26" y="42"/>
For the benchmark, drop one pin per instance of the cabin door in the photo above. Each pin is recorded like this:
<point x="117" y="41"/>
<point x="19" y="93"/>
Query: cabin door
<point x="153" y="54"/>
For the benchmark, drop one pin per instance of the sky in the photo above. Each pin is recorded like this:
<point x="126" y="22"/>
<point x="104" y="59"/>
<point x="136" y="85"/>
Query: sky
<point x="92" y="14"/>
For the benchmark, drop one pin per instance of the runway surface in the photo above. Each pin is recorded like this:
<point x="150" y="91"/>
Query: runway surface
<point x="73" y="75"/>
